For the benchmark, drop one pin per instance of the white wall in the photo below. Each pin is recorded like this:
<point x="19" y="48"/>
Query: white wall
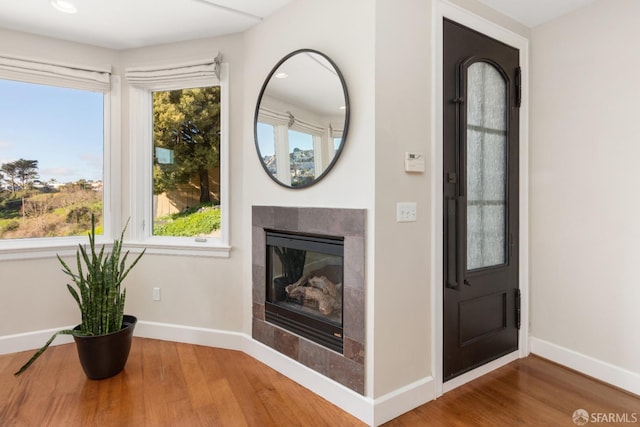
<point x="33" y="293"/>
<point x="583" y="179"/>
<point x="198" y="292"/>
<point x="402" y="305"/>
<point x="387" y="72"/>
<point x="344" y="31"/>
<point x="383" y="50"/>
<point x="585" y="231"/>
<point x="403" y="319"/>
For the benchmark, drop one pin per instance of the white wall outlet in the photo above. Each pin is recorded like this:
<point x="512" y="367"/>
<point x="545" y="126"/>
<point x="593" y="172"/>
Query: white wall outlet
<point x="406" y="211"/>
<point x="156" y="294"/>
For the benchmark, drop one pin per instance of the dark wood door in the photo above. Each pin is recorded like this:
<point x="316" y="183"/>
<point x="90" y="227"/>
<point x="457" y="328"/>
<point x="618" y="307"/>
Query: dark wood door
<point x="481" y="106"/>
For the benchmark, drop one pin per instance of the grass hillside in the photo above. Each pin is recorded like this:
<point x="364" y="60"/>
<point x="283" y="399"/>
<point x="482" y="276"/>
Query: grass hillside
<point x="68" y="212"/>
<point x="199" y="221"/>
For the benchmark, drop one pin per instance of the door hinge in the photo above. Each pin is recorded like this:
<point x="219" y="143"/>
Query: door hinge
<point x="518" y="87"/>
<point x="518" y="309"/>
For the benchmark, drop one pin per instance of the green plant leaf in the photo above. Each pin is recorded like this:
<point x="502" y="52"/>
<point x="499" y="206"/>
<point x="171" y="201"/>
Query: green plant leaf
<point x="97" y="288"/>
<point x="46" y="346"/>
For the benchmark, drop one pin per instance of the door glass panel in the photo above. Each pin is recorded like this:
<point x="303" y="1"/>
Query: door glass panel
<point x="486" y="166"/>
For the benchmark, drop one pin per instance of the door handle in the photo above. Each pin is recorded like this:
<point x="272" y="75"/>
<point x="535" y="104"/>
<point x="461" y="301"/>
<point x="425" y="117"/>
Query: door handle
<point x="455" y="244"/>
<point x="452" y="230"/>
<point x="461" y="205"/>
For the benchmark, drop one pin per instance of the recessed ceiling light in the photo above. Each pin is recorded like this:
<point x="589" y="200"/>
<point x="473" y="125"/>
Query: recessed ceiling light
<point x="282" y="75"/>
<point x="64" y="6"/>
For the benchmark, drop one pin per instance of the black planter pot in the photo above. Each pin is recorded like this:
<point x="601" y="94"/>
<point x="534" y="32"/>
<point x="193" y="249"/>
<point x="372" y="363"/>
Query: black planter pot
<point x="103" y="356"/>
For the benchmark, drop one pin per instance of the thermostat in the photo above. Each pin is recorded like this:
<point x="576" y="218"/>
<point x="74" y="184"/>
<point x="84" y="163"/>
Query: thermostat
<point x="413" y="162"/>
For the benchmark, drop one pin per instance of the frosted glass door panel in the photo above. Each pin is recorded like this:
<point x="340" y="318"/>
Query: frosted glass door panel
<point x="486" y="166"/>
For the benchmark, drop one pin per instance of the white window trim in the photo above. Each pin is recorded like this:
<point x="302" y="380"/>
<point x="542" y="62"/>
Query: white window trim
<point x="323" y="147"/>
<point x="141" y="146"/>
<point x="48" y="247"/>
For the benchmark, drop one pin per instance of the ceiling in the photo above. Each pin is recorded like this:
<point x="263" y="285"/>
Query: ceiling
<point x="535" y="12"/>
<point x="311" y="83"/>
<point x="124" y="24"/>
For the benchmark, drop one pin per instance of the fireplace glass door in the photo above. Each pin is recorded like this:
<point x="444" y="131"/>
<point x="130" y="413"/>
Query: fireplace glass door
<point x="304" y="289"/>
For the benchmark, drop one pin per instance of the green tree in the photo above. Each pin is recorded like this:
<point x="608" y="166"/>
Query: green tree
<point x="186" y="124"/>
<point x="11" y="171"/>
<point x="26" y="171"/>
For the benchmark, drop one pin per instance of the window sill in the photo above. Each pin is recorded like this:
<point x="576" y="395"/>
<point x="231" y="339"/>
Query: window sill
<point x="15" y="252"/>
<point x="193" y="250"/>
<point x="64" y="249"/>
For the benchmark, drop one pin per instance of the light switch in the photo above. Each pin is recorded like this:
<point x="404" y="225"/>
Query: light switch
<point x="406" y="211"/>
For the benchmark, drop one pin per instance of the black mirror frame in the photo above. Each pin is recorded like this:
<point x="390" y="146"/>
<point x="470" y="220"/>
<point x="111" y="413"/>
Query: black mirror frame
<point x="344" y="131"/>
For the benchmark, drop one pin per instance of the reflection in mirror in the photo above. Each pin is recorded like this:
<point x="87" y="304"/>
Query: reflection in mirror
<point x="301" y="119"/>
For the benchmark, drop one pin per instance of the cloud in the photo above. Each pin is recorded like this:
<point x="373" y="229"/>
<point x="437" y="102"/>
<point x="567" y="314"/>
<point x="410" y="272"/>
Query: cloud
<point x="58" y="172"/>
<point x="93" y="161"/>
<point x="5" y="145"/>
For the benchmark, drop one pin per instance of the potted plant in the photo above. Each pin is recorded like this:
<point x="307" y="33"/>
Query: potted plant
<point x="103" y="338"/>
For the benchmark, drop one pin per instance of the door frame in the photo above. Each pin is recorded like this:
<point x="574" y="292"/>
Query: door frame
<point x="445" y="9"/>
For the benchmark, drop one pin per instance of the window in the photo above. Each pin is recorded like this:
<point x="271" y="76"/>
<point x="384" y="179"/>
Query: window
<point x="54" y="145"/>
<point x="301" y="158"/>
<point x="186" y="172"/>
<point x="179" y="161"/>
<point x="295" y="151"/>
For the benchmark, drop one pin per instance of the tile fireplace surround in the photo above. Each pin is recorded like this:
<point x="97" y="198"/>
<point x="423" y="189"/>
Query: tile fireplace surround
<point x="346" y="368"/>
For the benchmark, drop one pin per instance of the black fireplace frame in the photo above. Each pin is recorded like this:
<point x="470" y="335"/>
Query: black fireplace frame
<point x="322" y="332"/>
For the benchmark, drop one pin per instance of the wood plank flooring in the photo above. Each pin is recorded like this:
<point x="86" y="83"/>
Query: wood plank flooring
<point x="163" y="384"/>
<point x="174" y="384"/>
<point x="527" y="392"/>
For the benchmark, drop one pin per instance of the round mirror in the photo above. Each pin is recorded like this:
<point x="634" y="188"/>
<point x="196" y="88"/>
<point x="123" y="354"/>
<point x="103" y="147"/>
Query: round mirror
<point x="301" y="118"/>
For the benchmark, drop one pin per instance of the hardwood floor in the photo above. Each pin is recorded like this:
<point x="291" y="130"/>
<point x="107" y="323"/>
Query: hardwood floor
<point x="163" y="384"/>
<point x="173" y="384"/>
<point x="527" y="392"/>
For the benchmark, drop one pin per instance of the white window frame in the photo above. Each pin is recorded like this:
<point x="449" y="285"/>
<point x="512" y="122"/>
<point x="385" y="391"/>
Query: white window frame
<point x="282" y="124"/>
<point x="141" y="164"/>
<point x="80" y="77"/>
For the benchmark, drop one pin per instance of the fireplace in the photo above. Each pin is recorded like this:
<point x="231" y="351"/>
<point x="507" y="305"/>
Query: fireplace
<point x="304" y="285"/>
<point x="345" y="364"/>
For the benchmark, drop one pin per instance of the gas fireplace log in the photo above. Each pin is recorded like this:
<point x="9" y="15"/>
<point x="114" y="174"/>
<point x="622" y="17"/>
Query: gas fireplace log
<point x="289" y="288"/>
<point x="324" y="284"/>
<point x="325" y="302"/>
<point x="319" y="291"/>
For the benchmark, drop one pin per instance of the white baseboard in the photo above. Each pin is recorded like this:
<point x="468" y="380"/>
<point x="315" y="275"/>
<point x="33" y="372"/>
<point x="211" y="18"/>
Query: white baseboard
<point x="603" y="371"/>
<point x="370" y="411"/>
<point x="404" y="399"/>
<point x="348" y="400"/>
<point x="32" y="340"/>
<point x="162" y="331"/>
<point x="190" y="335"/>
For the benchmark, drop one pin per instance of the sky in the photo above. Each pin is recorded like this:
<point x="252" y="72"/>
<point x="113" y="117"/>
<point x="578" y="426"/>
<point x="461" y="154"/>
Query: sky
<point x="61" y="128"/>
